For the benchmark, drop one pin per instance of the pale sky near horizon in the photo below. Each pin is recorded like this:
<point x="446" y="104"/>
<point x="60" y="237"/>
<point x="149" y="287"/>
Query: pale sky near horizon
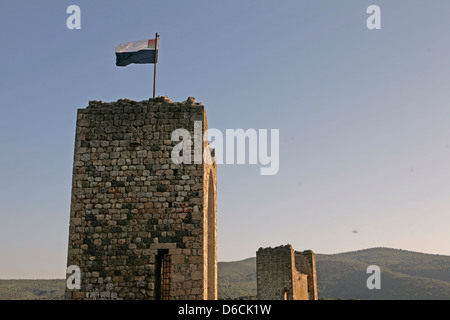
<point x="364" y="117"/>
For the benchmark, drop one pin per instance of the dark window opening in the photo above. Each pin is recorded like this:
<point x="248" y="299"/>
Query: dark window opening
<point x="163" y="275"/>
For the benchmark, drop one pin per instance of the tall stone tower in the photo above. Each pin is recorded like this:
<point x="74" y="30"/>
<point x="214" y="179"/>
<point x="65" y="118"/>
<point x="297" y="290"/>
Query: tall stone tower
<point x="142" y="226"/>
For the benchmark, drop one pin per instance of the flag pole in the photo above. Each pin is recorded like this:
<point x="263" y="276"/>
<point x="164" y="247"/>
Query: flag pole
<point x="156" y="61"/>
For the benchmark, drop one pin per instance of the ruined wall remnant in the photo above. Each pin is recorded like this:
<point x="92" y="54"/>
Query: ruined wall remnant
<point x="305" y="262"/>
<point x="284" y="274"/>
<point x="141" y="227"/>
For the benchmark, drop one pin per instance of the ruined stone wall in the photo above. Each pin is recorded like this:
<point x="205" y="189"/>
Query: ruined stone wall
<point x="129" y="200"/>
<point x="274" y="273"/>
<point x="283" y="273"/>
<point x="305" y="262"/>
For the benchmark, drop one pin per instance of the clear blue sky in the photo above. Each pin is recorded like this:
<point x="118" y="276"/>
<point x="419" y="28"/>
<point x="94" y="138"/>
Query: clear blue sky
<point x="364" y="117"/>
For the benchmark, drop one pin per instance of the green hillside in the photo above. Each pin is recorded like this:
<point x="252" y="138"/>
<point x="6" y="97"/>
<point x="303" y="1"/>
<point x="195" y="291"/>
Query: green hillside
<point x="237" y="279"/>
<point x="408" y="262"/>
<point x="341" y="277"/>
<point x="404" y="275"/>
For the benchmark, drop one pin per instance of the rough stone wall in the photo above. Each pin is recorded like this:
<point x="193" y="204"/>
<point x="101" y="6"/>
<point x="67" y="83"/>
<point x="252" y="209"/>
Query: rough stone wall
<point x="274" y="273"/>
<point x="278" y="278"/>
<point x="130" y="200"/>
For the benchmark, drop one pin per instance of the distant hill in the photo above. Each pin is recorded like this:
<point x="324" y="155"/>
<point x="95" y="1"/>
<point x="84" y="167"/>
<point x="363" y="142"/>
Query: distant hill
<point x="237" y="279"/>
<point x="408" y="262"/>
<point x="404" y="275"/>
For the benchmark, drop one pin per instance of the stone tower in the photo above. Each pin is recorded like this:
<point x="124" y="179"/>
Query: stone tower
<point x="142" y="226"/>
<point x="285" y="274"/>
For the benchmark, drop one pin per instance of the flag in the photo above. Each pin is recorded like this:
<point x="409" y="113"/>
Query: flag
<point x="143" y="51"/>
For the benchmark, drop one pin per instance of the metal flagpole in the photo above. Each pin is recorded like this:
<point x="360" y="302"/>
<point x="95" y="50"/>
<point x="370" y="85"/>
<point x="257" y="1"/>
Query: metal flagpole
<point x="156" y="61"/>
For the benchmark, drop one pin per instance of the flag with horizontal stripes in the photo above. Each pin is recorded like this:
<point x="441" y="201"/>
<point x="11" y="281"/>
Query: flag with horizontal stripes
<point x="143" y="51"/>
